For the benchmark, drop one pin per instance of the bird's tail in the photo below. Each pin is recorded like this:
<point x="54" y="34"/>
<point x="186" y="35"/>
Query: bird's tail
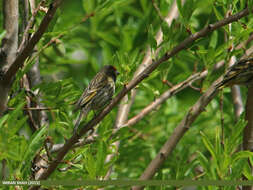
<point x="83" y="113"/>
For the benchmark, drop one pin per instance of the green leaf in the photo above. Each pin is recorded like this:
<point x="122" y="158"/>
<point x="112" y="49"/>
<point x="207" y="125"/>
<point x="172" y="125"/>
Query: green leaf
<point x="250" y="5"/>
<point x="2" y="35"/>
<point x="89" y="5"/>
<point x="101" y="155"/>
<point x="34" y="145"/>
<point x="166" y="31"/>
<point x="151" y="38"/>
<point x="241" y="155"/>
<point x="108" y="37"/>
<point x="3" y="120"/>
<point x="209" y="145"/>
<point x="15" y="154"/>
<point x="203" y="161"/>
<point x="247" y="172"/>
<point x="214" y="40"/>
<point x="90" y="164"/>
<point x="217" y="13"/>
<point x="15" y="116"/>
<point x="180" y="9"/>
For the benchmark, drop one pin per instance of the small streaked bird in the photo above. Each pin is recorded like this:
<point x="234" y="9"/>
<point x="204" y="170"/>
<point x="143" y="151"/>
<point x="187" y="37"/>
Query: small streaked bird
<point x="98" y="93"/>
<point x="241" y="73"/>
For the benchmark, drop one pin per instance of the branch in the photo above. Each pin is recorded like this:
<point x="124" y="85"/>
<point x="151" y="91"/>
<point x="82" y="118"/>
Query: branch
<point x="179" y="131"/>
<point x="28" y="27"/>
<point x="10" y="40"/>
<point x="82" y="142"/>
<point x="9" y="46"/>
<point x="248" y="131"/>
<point x="68" y="145"/>
<point x="244" y="44"/>
<point x="35" y="108"/>
<point x="175" y="89"/>
<point x="19" y="61"/>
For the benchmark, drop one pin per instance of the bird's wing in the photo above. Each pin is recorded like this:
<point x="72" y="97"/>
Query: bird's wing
<point x="243" y="69"/>
<point x="98" y="82"/>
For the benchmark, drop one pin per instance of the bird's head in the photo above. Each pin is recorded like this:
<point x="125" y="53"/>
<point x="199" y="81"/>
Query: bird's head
<point x="111" y="71"/>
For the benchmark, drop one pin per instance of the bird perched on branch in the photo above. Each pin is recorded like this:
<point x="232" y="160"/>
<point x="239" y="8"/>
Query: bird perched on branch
<point x="240" y="73"/>
<point x="98" y="93"/>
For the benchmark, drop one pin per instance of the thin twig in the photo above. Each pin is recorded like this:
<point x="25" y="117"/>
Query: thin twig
<point x="168" y="83"/>
<point x="157" y="10"/>
<point x="36" y="108"/>
<point x="24" y="83"/>
<point x="81" y="142"/>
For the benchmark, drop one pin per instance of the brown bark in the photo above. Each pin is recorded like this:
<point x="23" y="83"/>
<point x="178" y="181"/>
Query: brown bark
<point x="9" y="46"/>
<point x="248" y="130"/>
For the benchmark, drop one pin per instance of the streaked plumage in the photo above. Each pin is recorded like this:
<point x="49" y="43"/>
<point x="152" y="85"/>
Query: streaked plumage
<point x="98" y="93"/>
<point x="240" y="73"/>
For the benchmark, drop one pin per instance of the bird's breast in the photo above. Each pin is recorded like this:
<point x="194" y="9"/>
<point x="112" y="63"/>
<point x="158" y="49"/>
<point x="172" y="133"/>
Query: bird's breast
<point x="111" y="83"/>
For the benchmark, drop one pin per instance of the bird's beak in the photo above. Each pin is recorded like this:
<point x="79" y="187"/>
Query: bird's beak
<point x="117" y="73"/>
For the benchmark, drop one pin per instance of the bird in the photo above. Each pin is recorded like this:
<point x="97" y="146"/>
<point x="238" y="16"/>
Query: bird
<point x="98" y="93"/>
<point x="241" y="73"/>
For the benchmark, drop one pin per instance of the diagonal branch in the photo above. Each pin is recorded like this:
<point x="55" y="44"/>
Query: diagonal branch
<point x="19" y="61"/>
<point x="132" y="84"/>
<point x="28" y="27"/>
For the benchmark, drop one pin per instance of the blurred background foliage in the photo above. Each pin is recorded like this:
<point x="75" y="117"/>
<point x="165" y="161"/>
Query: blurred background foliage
<point x="119" y="33"/>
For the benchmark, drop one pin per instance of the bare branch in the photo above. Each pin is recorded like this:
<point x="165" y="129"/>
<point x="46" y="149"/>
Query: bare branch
<point x="32" y="123"/>
<point x="69" y="143"/>
<point x="248" y="53"/>
<point x="35" y="109"/>
<point x="244" y="44"/>
<point x="82" y="142"/>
